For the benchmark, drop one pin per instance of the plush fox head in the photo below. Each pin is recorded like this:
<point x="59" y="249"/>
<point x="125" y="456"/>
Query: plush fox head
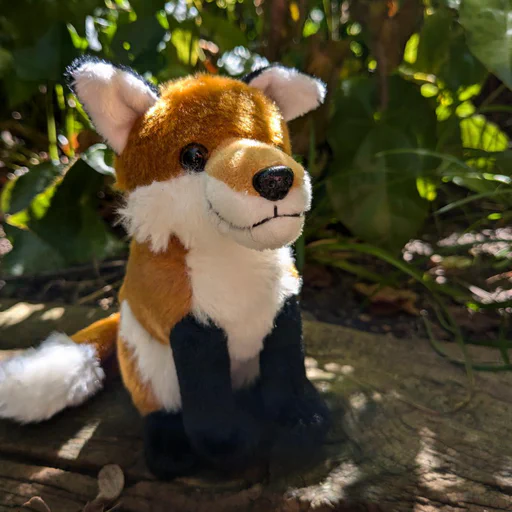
<point x="207" y="155"/>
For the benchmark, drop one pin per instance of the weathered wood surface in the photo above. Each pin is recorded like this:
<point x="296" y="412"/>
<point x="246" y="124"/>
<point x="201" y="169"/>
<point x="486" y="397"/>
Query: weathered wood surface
<point x="388" y="452"/>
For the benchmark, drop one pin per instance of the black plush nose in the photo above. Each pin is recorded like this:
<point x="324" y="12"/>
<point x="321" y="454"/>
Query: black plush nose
<point x="273" y="183"/>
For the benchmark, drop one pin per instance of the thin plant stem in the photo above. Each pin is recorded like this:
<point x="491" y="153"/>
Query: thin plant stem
<point x="53" y="150"/>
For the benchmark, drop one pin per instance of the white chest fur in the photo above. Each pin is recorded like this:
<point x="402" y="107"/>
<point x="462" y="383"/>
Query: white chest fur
<point x="241" y="291"/>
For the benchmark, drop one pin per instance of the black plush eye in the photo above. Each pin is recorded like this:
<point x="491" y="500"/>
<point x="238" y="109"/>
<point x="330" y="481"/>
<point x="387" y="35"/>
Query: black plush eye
<point x="193" y="157"/>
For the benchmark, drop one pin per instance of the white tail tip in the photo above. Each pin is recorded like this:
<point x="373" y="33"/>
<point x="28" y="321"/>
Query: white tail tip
<point x="42" y="381"/>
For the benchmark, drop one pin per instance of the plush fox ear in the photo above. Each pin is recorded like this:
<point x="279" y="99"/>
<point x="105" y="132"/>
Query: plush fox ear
<point x="294" y="93"/>
<point x="113" y="97"/>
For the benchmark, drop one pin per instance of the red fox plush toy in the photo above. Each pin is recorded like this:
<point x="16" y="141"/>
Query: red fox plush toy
<point x="209" y="334"/>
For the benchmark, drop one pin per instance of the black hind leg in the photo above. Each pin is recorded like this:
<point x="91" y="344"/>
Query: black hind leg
<point x="167" y="449"/>
<point x="301" y="417"/>
<point x="301" y="427"/>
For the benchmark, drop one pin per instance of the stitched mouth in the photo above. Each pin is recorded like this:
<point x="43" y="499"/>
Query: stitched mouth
<point x="257" y="224"/>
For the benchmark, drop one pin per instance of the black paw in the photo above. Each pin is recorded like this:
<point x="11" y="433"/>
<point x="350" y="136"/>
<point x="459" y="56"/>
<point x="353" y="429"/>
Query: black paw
<point x="167" y="449"/>
<point x="302" y="425"/>
<point x="230" y="446"/>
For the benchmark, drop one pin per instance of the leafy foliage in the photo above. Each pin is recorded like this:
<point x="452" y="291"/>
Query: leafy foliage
<point x="407" y="136"/>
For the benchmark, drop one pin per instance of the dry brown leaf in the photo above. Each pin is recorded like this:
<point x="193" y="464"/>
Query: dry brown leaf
<point x="110" y="482"/>
<point x="386" y="300"/>
<point x="317" y="276"/>
<point x="37" y="504"/>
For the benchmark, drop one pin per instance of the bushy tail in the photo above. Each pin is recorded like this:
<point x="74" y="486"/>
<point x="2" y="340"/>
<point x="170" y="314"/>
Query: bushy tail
<point x="61" y="372"/>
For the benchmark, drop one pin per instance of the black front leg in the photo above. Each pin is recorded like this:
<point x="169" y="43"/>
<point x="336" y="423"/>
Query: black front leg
<point x="289" y="398"/>
<point x="218" y="431"/>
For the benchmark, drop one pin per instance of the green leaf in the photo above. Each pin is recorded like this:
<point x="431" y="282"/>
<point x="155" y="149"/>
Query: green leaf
<point x="487" y="25"/>
<point x="353" y="118"/>
<point x="479" y="133"/>
<point x="147" y="7"/>
<point x="48" y="58"/>
<point x="404" y="98"/>
<point x="20" y="192"/>
<point x="376" y="196"/>
<point x="186" y="44"/>
<point x="222" y="31"/>
<point x="64" y="218"/>
<point x="71" y="224"/>
<point x="30" y="254"/>
<point x="443" y="52"/>
<point x="143" y="35"/>
<point x="434" y="41"/>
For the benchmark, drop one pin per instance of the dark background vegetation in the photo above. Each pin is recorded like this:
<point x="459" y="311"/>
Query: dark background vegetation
<point x="410" y="155"/>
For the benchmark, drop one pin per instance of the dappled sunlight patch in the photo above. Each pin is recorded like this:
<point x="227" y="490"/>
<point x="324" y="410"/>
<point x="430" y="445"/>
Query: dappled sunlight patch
<point x="331" y="492"/>
<point x="358" y="402"/>
<point x="71" y="449"/>
<point x="435" y="473"/>
<point x="18" y="313"/>
<point x="53" y="314"/>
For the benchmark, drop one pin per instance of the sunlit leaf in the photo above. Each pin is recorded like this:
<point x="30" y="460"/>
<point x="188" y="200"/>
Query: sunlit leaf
<point x="411" y="49"/>
<point x="186" y="44"/>
<point x="63" y="220"/>
<point x="479" y="133"/>
<point x="20" y="192"/>
<point x="427" y="189"/>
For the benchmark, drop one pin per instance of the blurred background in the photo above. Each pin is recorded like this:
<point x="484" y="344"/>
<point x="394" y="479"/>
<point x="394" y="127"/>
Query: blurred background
<point x="410" y="232"/>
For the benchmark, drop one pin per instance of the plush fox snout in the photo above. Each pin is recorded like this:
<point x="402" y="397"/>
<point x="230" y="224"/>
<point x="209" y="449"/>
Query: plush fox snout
<point x="273" y="183"/>
<point x="256" y="193"/>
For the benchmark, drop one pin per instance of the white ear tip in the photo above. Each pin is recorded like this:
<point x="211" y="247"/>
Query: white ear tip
<point x="322" y="90"/>
<point x="294" y="93"/>
<point x="113" y="97"/>
<point x="92" y="70"/>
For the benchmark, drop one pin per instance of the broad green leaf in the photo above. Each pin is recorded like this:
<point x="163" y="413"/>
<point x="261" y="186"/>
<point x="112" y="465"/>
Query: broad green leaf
<point x="222" y="31"/>
<point x="406" y="98"/>
<point x="29" y="19"/>
<point x="376" y="196"/>
<point x="479" y="133"/>
<point x="64" y="218"/>
<point x="353" y="117"/>
<point x="487" y="24"/>
<point x="434" y="41"/>
<point x="443" y="52"/>
<point x="71" y="224"/>
<point x="30" y="254"/>
<point x="48" y="58"/>
<point x="461" y="68"/>
<point x="20" y="192"/>
<point x="133" y="39"/>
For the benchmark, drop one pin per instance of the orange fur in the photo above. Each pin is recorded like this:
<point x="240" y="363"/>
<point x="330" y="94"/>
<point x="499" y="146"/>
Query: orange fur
<point x="203" y="109"/>
<point x="142" y="395"/>
<point x="101" y="334"/>
<point x="157" y="287"/>
<point x="236" y="164"/>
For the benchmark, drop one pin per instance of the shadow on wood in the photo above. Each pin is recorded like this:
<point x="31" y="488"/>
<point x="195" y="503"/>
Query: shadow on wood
<point x="400" y="446"/>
